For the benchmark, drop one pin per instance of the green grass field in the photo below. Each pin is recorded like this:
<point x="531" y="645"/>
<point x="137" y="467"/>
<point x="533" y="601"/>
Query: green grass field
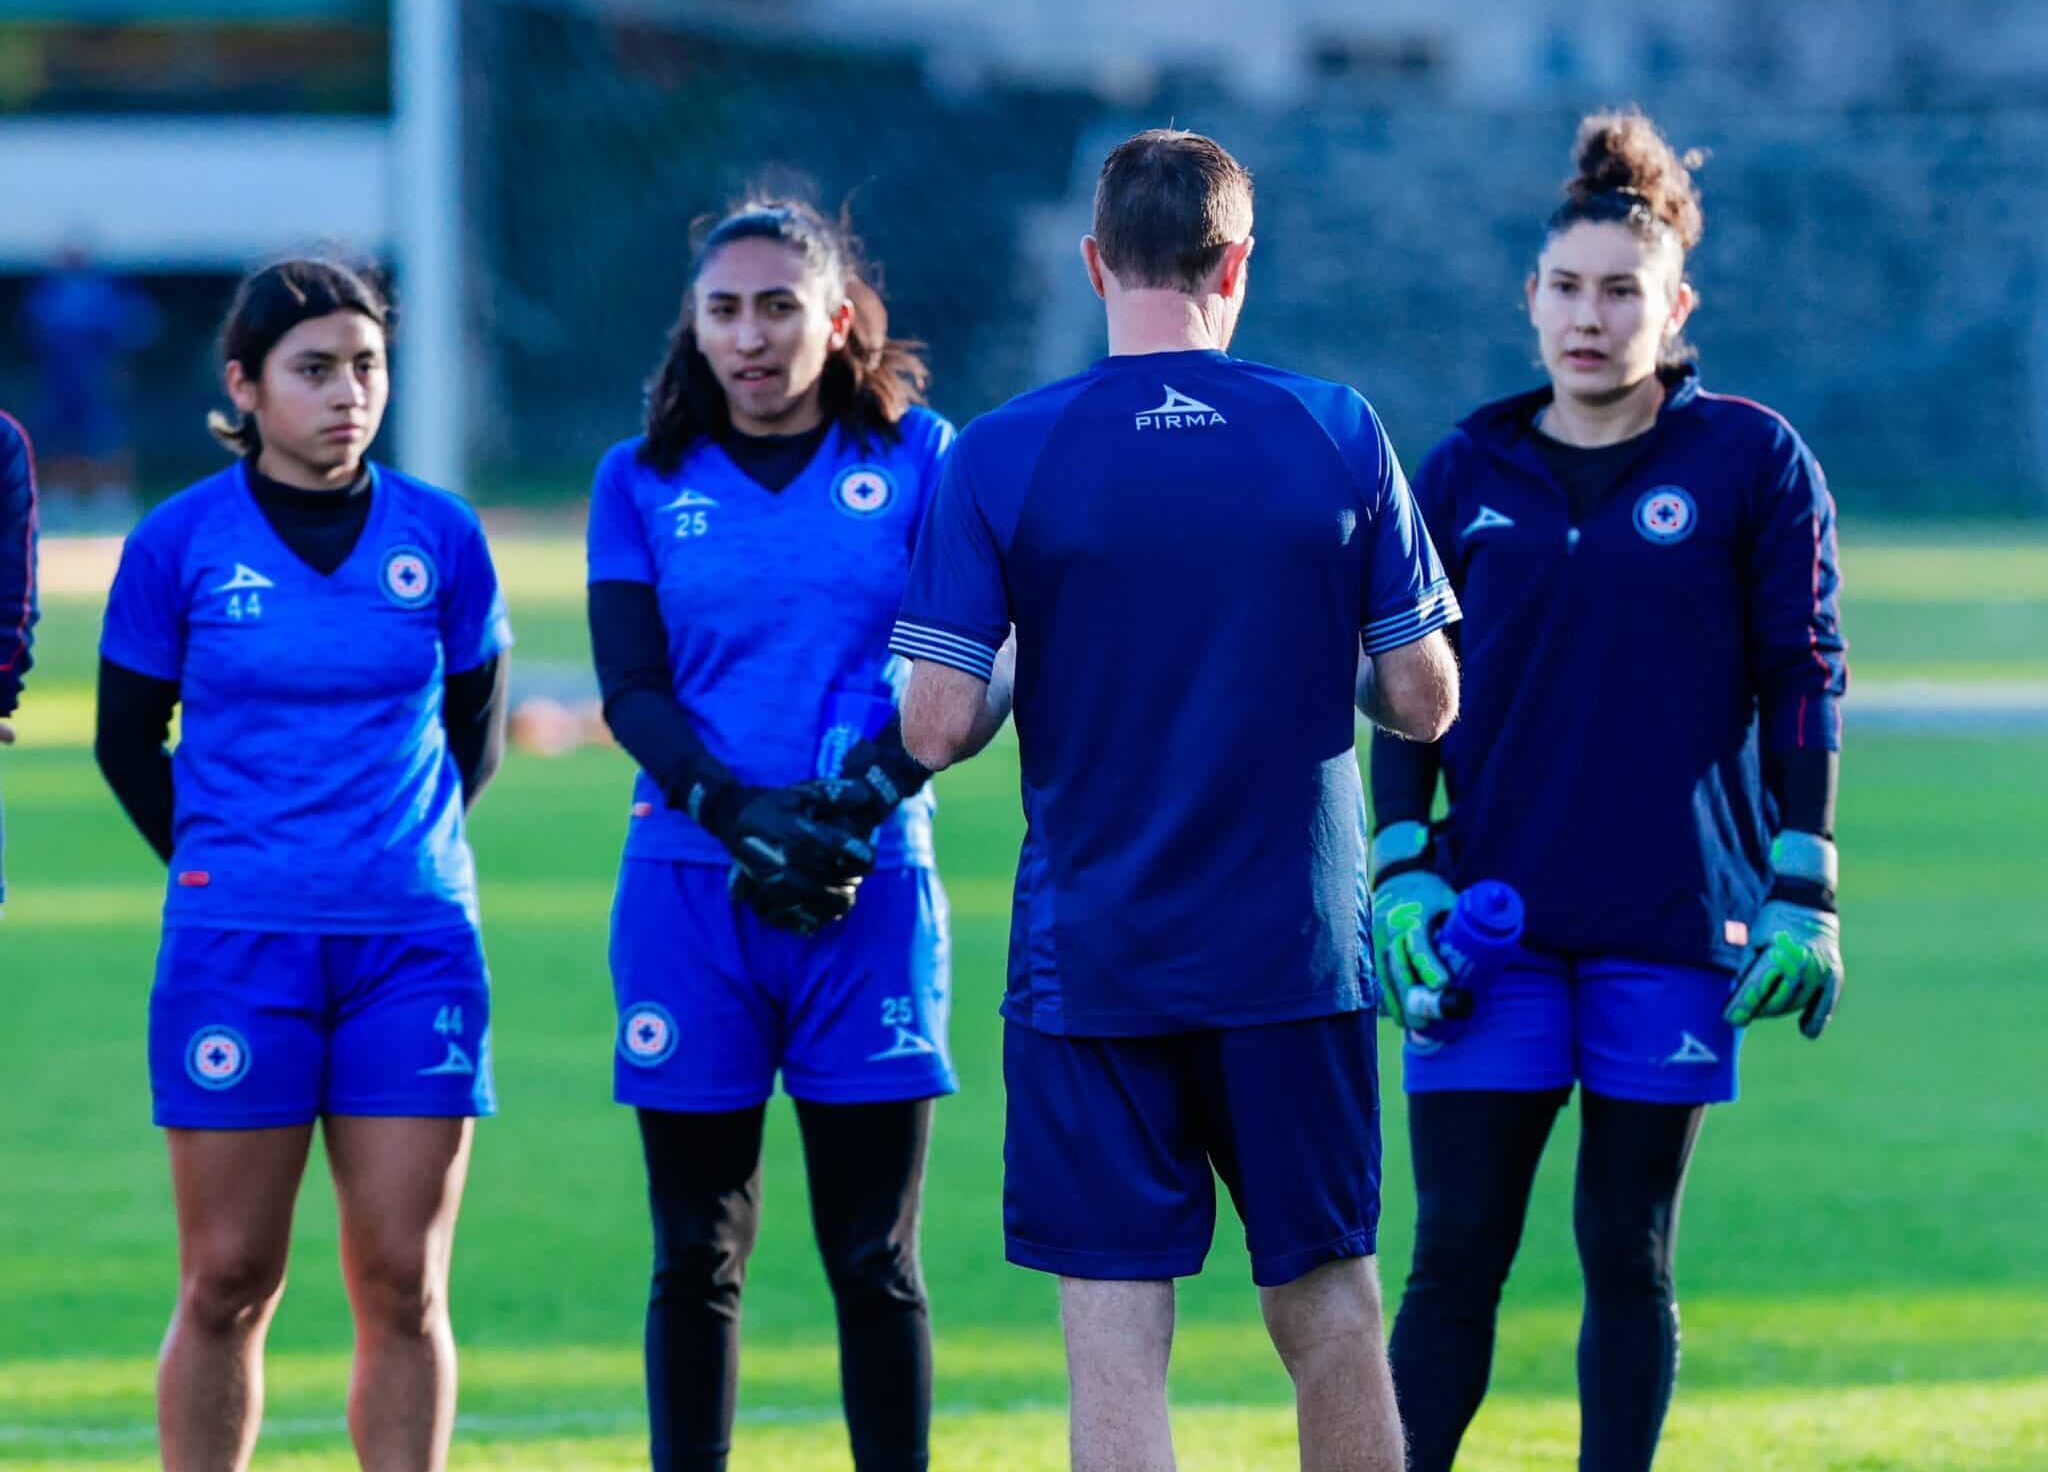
<point x="1864" y="1261"/>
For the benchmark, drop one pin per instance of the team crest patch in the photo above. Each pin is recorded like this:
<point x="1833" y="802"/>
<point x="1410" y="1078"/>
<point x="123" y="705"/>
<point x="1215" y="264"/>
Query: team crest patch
<point x="217" y="1058"/>
<point x="863" y="490"/>
<point x="1666" y="515"/>
<point x="647" y="1035"/>
<point x="408" y="577"/>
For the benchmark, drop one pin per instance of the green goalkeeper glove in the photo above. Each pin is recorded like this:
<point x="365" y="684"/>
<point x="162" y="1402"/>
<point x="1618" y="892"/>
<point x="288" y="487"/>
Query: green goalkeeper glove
<point x="1408" y="898"/>
<point x="1795" y="943"/>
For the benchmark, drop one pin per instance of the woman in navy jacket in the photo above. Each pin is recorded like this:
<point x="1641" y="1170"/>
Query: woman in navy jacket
<point x="17" y="578"/>
<point x="1647" y="753"/>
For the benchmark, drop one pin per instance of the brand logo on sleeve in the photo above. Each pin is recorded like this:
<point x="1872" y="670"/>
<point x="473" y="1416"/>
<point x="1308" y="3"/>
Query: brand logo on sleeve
<point x="217" y="1058"/>
<point x="1666" y="515"/>
<point x="408" y="577"/>
<point x="647" y="1035"/>
<point x="1178" y="411"/>
<point x="1487" y="520"/>
<point x="863" y="490"/>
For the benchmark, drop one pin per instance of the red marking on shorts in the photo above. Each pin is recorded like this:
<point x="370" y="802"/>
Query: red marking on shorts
<point x="194" y="879"/>
<point x="643" y="809"/>
<point x="1735" y="932"/>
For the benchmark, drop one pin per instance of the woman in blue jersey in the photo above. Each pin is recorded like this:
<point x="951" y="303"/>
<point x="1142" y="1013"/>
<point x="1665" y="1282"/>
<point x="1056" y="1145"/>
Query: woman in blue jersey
<point x="747" y="555"/>
<point x="332" y="634"/>
<point x="1653" y="665"/>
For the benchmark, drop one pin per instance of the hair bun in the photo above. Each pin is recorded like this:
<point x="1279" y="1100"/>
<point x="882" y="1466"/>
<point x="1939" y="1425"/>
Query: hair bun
<point x="1622" y="152"/>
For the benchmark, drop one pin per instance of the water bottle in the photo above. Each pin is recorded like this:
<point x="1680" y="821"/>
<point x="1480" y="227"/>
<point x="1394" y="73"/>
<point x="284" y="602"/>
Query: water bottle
<point x="1475" y="937"/>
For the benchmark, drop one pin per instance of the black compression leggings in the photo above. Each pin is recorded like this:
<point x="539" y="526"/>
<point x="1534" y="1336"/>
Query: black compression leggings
<point x="866" y="1168"/>
<point x="1475" y="1160"/>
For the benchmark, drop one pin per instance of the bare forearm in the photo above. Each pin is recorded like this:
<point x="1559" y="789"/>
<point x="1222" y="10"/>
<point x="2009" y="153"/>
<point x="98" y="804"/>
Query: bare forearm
<point x="949" y="715"/>
<point x="1412" y="690"/>
<point x="995" y="702"/>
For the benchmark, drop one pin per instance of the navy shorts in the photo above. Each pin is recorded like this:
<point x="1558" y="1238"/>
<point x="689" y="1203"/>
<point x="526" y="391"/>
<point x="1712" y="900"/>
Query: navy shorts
<point x="256" y="1029"/>
<point x="1644" y="1030"/>
<point x="1113" y="1145"/>
<point x="714" y="1001"/>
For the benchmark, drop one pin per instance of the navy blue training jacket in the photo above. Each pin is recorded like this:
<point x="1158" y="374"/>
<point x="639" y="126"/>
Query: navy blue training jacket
<point x="17" y="560"/>
<point x="1622" y="676"/>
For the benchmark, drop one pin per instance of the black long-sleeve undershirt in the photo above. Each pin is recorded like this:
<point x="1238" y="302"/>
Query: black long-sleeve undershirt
<point x="474" y="709"/>
<point x="321" y="527"/>
<point x="132" y="725"/>
<point x="629" y="645"/>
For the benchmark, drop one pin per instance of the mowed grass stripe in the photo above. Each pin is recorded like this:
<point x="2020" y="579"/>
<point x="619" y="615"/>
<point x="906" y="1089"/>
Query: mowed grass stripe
<point x="1968" y="1427"/>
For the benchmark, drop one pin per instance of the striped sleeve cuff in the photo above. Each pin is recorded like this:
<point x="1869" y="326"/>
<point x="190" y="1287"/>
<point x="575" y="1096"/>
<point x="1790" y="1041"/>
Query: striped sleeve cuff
<point x="1432" y="611"/>
<point x="941" y="646"/>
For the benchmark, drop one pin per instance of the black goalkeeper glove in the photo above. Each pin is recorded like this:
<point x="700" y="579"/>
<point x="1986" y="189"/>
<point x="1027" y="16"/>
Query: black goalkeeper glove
<point x="793" y="863"/>
<point x="874" y="778"/>
<point x="771" y="830"/>
<point x="792" y="900"/>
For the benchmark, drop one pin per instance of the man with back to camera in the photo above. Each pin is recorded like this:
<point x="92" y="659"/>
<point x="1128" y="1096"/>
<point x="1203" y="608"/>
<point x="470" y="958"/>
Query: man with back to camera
<point x="1206" y="562"/>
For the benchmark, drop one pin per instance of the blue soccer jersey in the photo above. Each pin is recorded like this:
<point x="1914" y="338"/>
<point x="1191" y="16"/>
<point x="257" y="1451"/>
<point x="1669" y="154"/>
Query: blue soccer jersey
<point x="777" y="606"/>
<point x="314" y="786"/>
<point x="1191" y="549"/>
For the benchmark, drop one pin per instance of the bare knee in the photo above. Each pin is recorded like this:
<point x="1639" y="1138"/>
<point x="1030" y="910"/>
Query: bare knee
<point x="229" y="1292"/>
<point x="398" y="1293"/>
<point x="1333" y="1310"/>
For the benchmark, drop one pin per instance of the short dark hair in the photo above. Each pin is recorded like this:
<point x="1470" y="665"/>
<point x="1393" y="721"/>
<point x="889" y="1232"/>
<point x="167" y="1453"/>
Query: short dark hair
<point x="270" y="302"/>
<point x="1167" y="204"/>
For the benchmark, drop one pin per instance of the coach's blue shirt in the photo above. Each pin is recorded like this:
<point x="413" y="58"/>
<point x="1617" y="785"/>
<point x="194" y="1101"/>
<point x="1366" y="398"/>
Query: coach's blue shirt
<point x="314" y="786"/>
<point x="1622" y="676"/>
<point x="777" y="606"/>
<point x="1191" y="548"/>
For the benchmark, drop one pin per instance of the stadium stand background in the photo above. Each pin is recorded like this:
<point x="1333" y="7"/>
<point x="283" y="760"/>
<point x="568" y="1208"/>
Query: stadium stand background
<point x="1875" y="265"/>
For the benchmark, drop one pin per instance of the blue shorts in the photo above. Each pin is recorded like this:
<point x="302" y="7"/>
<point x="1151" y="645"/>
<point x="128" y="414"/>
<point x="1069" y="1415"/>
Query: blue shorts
<point x="1110" y="1145"/>
<point x="713" y="1000"/>
<point x="1644" y="1030"/>
<point x="254" y="1029"/>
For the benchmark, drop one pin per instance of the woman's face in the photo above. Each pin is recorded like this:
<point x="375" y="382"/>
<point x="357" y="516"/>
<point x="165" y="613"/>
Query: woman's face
<point x="767" y="323"/>
<point x="1604" y="303"/>
<point x="319" y="400"/>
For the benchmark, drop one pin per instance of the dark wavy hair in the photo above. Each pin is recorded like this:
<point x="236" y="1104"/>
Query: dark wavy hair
<point x="867" y="384"/>
<point x="270" y="302"/>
